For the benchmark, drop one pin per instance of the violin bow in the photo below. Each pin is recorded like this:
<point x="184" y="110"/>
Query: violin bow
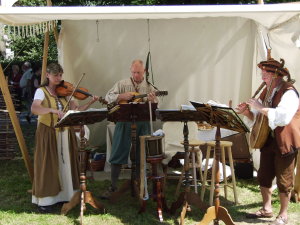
<point x="64" y="110"/>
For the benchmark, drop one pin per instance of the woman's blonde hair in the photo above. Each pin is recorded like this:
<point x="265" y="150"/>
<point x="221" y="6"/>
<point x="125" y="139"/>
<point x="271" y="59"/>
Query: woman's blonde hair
<point x="52" y="68"/>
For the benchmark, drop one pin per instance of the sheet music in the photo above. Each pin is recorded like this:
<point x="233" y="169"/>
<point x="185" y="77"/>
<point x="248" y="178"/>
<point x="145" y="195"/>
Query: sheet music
<point x="88" y="110"/>
<point x="229" y="118"/>
<point x="187" y="107"/>
<point x="214" y="103"/>
<point x="211" y="103"/>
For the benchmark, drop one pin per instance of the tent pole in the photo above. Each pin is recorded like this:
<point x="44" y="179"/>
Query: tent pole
<point x="55" y="33"/>
<point x="15" y="123"/>
<point x="46" y="47"/>
<point x="49" y="3"/>
<point x="45" y="55"/>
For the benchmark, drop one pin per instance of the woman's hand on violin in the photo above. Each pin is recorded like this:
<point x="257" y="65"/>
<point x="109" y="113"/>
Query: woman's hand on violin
<point x="74" y="105"/>
<point x="94" y="99"/>
<point x="59" y="113"/>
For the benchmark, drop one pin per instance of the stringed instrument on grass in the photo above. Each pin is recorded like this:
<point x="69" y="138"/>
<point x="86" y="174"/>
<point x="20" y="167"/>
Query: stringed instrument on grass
<point x="137" y="97"/>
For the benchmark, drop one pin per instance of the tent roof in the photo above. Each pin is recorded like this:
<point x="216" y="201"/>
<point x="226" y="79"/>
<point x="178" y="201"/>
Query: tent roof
<point x="267" y="15"/>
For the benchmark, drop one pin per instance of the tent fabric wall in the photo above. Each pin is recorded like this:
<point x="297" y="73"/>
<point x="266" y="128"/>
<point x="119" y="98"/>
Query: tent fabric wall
<point x="198" y="52"/>
<point x="269" y="15"/>
<point x="190" y="60"/>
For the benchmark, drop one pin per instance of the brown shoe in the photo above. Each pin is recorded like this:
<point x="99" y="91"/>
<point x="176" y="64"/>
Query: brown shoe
<point x="259" y="214"/>
<point x="279" y="221"/>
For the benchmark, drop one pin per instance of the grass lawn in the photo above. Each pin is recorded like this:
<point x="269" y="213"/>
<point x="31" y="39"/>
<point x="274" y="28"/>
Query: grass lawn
<point x="16" y="207"/>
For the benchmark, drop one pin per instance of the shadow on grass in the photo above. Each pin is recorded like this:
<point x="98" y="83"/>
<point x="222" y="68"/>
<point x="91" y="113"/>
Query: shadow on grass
<point x="127" y="207"/>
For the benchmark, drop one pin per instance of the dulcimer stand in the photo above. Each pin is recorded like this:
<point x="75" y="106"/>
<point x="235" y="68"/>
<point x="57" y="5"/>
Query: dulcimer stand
<point x="131" y="112"/>
<point x="187" y="197"/>
<point x="152" y="152"/>
<point x="221" y="117"/>
<point x="80" y="119"/>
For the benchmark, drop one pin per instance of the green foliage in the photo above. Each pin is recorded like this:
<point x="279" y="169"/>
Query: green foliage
<point x="31" y="49"/>
<point x="30" y="3"/>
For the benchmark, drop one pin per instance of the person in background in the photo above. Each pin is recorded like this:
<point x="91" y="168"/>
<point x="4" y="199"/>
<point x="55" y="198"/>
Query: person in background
<point x="36" y="77"/>
<point x="14" y="80"/>
<point x="25" y="85"/>
<point x="280" y="150"/>
<point x="56" y="168"/>
<point x="26" y="77"/>
<point x="124" y="91"/>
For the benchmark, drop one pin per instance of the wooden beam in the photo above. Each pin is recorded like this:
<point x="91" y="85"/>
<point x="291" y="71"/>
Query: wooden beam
<point x="45" y="55"/>
<point x="49" y="3"/>
<point x="15" y="122"/>
<point x="46" y="46"/>
<point x="55" y="33"/>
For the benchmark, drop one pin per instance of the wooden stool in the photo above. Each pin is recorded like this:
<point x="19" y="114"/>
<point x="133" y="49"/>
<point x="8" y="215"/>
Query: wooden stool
<point x="225" y="146"/>
<point x="194" y="156"/>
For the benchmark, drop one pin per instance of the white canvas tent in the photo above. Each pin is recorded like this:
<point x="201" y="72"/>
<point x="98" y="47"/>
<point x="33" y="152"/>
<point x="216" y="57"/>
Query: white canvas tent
<point x="198" y="52"/>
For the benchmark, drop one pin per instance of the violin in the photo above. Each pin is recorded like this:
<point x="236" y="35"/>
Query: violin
<point x="66" y="89"/>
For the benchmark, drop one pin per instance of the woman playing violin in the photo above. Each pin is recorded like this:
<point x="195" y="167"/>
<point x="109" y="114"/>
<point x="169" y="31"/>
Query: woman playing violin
<point x="56" y="168"/>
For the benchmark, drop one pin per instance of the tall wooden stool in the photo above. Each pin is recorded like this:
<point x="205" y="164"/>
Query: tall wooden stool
<point x="195" y="163"/>
<point x="225" y="146"/>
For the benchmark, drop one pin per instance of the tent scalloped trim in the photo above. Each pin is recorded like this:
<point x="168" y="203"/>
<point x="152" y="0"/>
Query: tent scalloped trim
<point x="30" y="30"/>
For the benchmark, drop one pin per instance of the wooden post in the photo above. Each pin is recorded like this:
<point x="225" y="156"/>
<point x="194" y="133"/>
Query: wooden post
<point x="49" y="3"/>
<point x="46" y="47"/>
<point x="55" y="33"/>
<point x="45" y="55"/>
<point x="15" y="122"/>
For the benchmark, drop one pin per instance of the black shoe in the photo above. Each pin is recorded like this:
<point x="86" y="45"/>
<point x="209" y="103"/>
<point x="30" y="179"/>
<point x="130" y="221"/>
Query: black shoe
<point x="61" y="203"/>
<point x="45" y="209"/>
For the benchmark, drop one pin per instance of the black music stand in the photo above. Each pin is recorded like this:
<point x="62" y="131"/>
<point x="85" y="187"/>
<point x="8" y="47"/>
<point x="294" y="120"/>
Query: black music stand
<point x="185" y="198"/>
<point x="131" y="112"/>
<point x="77" y="118"/>
<point x="221" y="117"/>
